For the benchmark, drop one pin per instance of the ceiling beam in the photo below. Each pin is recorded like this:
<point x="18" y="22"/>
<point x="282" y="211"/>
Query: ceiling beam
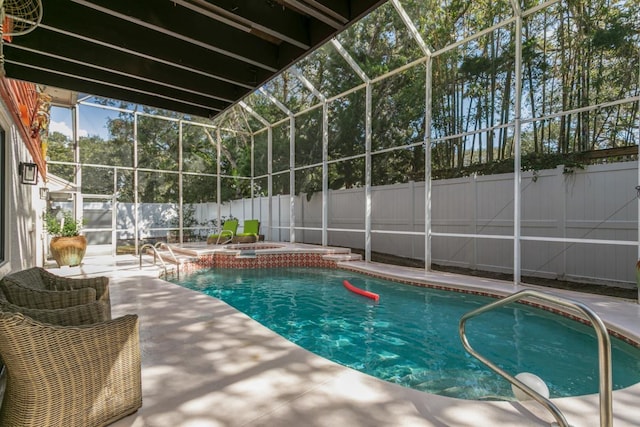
<point x="194" y="28"/>
<point x="198" y="57"/>
<point x="256" y="16"/>
<point x="117" y="34"/>
<point x="312" y="12"/>
<point x="89" y="85"/>
<point x="105" y="77"/>
<point x="86" y="53"/>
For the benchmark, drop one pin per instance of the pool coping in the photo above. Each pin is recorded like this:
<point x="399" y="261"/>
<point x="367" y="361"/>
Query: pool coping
<point x="263" y="400"/>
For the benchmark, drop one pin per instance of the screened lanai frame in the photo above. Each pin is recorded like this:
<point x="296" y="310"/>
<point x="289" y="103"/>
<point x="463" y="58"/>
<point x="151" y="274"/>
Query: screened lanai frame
<point x="515" y="125"/>
<point x="289" y="117"/>
<point x="136" y="231"/>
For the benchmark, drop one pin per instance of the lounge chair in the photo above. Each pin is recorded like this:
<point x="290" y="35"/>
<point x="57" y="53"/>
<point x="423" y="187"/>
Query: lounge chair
<point x="250" y="232"/>
<point x="226" y="235"/>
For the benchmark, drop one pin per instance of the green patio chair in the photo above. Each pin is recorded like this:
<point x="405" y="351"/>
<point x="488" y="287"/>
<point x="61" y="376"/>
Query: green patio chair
<point x="226" y="235"/>
<point x="250" y="232"/>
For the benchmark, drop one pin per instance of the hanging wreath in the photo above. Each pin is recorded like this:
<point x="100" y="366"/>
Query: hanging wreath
<point x="40" y="121"/>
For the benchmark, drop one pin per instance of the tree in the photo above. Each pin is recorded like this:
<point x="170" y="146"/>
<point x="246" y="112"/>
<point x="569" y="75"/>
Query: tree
<point x="576" y="55"/>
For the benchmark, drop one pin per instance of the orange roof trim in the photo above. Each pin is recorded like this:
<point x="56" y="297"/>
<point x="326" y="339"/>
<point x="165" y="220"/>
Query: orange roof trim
<point x="30" y="114"/>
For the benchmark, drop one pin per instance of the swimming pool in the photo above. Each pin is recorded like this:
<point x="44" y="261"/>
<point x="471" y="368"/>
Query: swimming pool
<point x="410" y="336"/>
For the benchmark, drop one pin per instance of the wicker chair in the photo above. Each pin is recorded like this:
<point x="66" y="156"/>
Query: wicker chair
<point x="38" y="289"/>
<point x="83" y="314"/>
<point x="69" y="376"/>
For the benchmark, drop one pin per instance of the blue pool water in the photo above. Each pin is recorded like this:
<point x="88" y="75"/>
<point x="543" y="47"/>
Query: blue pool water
<point x="410" y="337"/>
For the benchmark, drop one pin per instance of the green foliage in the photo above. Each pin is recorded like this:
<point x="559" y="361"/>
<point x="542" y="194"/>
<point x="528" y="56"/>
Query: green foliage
<point x="575" y="54"/>
<point x="529" y="162"/>
<point x="60" y="149"/>
<point x="67" y="226"/>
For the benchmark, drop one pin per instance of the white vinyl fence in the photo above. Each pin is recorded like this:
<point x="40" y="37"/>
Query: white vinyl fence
<point x="598" y="203"/>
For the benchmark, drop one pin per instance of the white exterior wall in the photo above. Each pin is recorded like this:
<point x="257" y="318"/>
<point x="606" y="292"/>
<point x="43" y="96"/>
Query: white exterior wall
<point x="24" y="237"/>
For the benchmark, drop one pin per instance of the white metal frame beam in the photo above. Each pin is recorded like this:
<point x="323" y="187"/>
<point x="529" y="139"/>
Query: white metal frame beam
<point x="325" y="151"/>
<point x="368" y="208"/>
<point x="427" y="127"/>
<point x="517" y="168"/>
<point x="292" y="142"/>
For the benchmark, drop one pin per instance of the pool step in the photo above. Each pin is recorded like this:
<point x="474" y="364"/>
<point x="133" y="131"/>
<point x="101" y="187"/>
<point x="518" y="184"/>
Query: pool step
<point x="343" y="257"/>
<point x="173" y="265"/>
<point x="168" y="259"/>
<point x="250" y="253"/>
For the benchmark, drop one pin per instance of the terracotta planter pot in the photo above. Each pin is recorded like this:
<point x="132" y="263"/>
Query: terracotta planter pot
<point x="68" y="250"/>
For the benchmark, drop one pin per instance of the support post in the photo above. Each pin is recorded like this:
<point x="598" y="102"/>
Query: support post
<point x="325" y="172"/>
<point x="367" y="175"/>
<point x="427" y="162"/>
<point x="517" y="169"/>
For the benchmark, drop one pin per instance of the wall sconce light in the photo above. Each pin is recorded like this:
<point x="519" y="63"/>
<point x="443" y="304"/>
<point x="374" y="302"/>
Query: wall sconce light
<point x="28" y="173"/>
<point x="44" y="193"/>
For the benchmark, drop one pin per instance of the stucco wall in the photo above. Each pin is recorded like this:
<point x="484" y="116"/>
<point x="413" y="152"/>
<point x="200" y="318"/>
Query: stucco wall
<point x="23" y="233"/>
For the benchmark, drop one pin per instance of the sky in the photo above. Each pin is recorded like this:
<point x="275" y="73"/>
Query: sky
<point x="59" y="124"/>
<point x="92" y="121"/>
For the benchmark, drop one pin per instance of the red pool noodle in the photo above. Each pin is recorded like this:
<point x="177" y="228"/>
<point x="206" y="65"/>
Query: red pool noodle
<point x="359" y="291"/>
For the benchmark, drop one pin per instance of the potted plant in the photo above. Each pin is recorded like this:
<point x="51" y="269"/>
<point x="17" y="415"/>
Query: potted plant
<point x="67" y="246"/>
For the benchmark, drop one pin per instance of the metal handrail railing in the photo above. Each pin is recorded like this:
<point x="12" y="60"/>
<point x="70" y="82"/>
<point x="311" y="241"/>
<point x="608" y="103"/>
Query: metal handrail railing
<point x="160" y="245"/>
<point x="155" y="252"/>
<point x="604" y="354"/>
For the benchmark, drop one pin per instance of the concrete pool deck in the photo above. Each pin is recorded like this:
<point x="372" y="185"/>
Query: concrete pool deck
<point x="205" y="364"/>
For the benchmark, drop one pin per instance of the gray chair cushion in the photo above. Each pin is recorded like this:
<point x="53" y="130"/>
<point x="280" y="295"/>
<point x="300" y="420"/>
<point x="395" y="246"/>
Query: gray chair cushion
<point x="84" y="314"/>
<point x="23" y="296"/>
<point x="38" y="278"/>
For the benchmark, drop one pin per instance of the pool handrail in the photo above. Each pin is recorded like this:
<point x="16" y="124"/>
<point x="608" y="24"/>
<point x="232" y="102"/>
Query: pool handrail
<point x="163" y="245"/>
<point x="604" y="353"/>
<point x="156" y="254"/>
